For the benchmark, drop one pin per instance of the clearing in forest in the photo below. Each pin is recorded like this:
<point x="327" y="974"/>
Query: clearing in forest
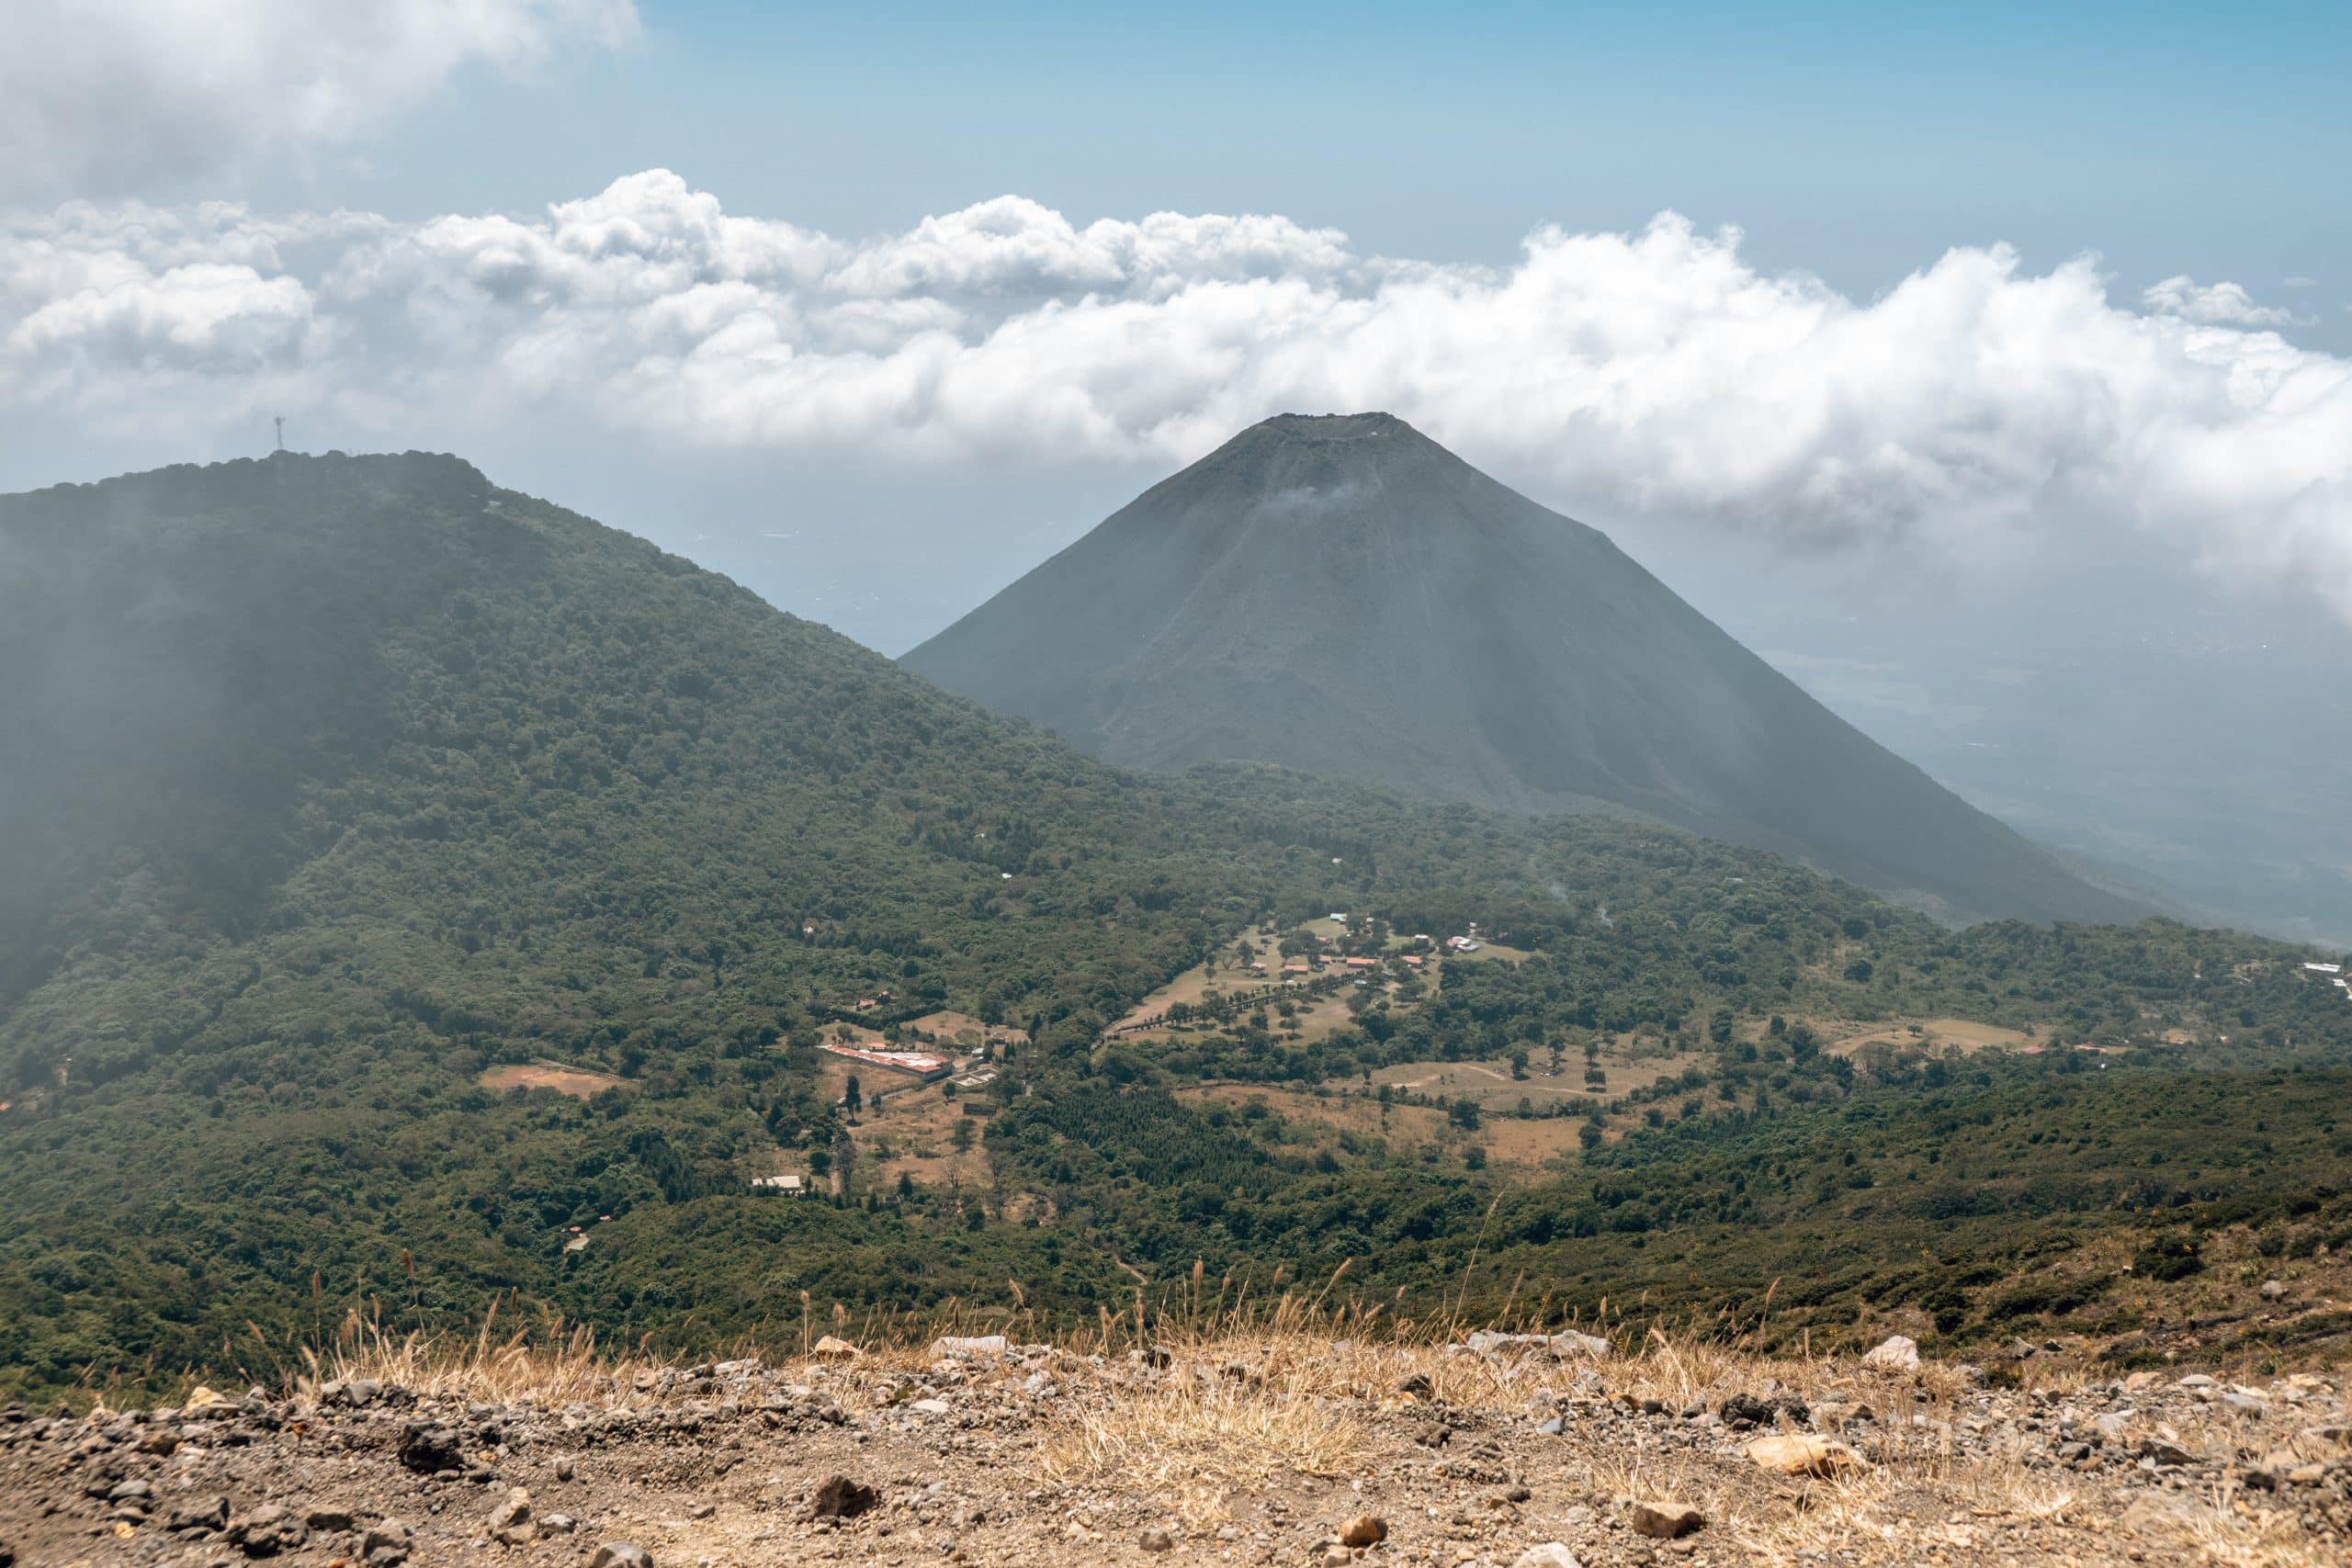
<point x="1927" y="1033"/>
<point x="581" y="1083"/>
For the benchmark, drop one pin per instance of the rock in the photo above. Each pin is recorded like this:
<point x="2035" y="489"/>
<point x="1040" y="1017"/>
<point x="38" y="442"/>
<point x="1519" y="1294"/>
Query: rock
<point x="2320" y="1443"/>
<point x="161" y="1442"/>
<point x="1491" y="1342"/>
<point x="2274" y="1289"/>
<point x="2165" y="1513"/>
<point x="1364" y="1530"/>
<point x="512" y="1521"/>
<point x="1155" y="1539"/>
<point x="841" y="1498"/>
<point x="1803" y="1453"/>
<point x="981" y="1345"/>
<point x="1553" y="1427"/>
<point x="1417" y="1387"/>
<point x="558" y="1524"/>
<point x="563" y="1467"/>
<point x="1747" y="1410"/>
<point x="202" y="1398"/>
<point x="327" y="1516"/>
<point x="199" y="1514"/>
<point x="2022" y="1350"/>
<point x="1551" y="1554"/>
<point x="1897" y="1353"/>
<point x="834" y="1349"/>
<point x="2167" y="1456"/>
<point x="930" y="1407"/>
<point x="429" y="1449"/>
<point x="267" y="1530"/>
<point x="1666" y="1521"/>
<point x="621" y="1554"/>
<point x="386" y="1543"/>
<point x="1335" y="1556"/>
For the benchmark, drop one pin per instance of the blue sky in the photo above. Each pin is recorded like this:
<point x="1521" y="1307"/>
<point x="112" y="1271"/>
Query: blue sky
<point x="1854" y="141"/>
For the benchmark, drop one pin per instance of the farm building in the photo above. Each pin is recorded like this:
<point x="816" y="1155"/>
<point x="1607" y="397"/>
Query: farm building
<point x="921" y="1065"/>
<point x="786" y="1186"/>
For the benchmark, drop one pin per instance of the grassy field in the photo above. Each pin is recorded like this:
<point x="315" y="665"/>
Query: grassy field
<point x="1529" y="1144"/>
<point x="962" y="1030"/>
<point x="1930" y="1034"/>
<point x="578" y="1082"/>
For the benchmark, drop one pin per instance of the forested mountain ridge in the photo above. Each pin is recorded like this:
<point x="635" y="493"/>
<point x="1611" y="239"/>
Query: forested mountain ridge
<point x="329" y="783"/>
<point x="1343" y="595"/>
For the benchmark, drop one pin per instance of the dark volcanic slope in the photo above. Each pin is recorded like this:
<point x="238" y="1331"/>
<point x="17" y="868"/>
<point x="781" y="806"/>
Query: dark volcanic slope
<point x="1343" y="595"/>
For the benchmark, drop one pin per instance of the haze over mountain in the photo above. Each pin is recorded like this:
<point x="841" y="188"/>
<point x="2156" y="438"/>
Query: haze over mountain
<point x="1342" y="595"/>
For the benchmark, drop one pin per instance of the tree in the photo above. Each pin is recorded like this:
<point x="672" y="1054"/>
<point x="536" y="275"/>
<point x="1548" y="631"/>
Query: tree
<point x="851" y="1095"/>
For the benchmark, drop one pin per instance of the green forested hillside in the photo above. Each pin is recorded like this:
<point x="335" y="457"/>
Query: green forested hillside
<point x="328" y="783"/>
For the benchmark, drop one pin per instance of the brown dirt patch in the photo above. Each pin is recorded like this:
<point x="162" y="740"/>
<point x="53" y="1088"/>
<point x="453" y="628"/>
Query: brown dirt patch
<point x="581" y="1083"/>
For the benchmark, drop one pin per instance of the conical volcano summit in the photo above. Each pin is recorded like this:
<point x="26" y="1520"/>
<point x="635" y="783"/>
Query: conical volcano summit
<point x="1341" y="595"/>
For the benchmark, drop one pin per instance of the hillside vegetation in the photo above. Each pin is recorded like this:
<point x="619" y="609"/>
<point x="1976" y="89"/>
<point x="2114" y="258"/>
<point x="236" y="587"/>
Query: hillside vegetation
<point x="334" y="782"/>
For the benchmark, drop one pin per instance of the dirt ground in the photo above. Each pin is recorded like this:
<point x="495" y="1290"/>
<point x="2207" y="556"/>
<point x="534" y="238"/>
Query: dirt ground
<point x="1275" y="1448"/>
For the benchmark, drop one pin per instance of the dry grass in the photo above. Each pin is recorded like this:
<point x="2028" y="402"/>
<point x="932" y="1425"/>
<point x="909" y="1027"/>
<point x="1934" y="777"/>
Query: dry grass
<point x="556" y="1365"/>
<point x="1199" y="1440"/>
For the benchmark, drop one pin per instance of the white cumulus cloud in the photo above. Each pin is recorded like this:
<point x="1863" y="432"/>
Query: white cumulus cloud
<point x="114" y="94"/>
<point x="2227" y="303"/>
<point x="1657" y="373"/>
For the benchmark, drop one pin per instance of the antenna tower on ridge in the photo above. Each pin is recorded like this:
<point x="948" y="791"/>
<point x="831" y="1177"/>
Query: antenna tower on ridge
<point x="280" y="422"/>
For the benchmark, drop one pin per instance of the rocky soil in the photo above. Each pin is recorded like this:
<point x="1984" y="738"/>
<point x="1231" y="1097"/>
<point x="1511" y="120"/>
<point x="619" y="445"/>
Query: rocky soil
<point x="1506" y="1451"/>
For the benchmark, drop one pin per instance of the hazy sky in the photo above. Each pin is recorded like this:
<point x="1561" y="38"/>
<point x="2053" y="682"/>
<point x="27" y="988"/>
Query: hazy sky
<point x="874" y="306"/>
